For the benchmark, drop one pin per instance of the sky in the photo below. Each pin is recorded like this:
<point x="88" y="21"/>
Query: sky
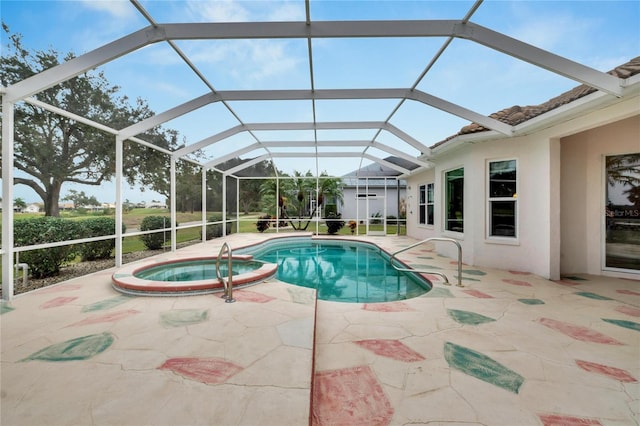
<point x="599" y="34"/>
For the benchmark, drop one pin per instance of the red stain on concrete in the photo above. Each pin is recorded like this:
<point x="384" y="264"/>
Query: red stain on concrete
<point x="606" y="370"/>
<point x="350" y="396"/>
<point x="387" y="307"/>
<point x="211" y="371"/>
<point x="478" y="294"/>
<point x="111" y="317"/>
<point x="559" y="420"/>
<point x="634" y="293"/>
<point x="251" y="296"/>
<point x="517" y="282"/>
<point x="432" y="277"/>
<point x="58" y="301"/>
<point x="634" y="312"/>
<point x="578" y="332"/>
<point x="393" y="349"/>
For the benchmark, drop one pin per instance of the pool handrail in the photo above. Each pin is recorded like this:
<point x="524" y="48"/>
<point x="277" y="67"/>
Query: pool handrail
<point x="446" y="280"/>
<point x="228" y="283"/>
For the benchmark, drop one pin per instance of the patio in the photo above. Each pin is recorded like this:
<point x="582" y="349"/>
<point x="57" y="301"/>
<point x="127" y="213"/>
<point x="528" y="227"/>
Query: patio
<point x="507" y="348"/>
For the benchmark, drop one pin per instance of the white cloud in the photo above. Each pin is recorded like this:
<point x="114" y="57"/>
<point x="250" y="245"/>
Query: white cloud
<point x="121" y="9"/>
<point x="237" y="11"/>
<point x="217" y="11"/>
<point x="248" y="60"/>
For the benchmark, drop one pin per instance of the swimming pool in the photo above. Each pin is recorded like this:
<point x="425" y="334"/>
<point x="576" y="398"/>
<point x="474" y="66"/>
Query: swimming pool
<point x="340" y="270"/>
<point x="187" y="276"/>
<point x="194" y="270"/>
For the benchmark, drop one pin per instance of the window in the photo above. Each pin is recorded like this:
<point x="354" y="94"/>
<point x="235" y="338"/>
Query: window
<point x="503" y="199"/>
<point x="425" y="205"/>
<point x="454" y="181"/>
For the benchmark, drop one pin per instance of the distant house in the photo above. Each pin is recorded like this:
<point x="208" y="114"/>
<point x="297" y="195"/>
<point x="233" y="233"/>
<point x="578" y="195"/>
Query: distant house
<point x="156" y="205"/>
<point x="66" y="206"/>
<point x="374" y="192"/>
<point x="32" y="208"/>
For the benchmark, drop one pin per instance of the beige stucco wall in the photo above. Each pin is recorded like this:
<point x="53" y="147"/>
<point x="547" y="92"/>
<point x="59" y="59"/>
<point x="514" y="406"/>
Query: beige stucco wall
<point x="559" y="173"/>
<point x="529" y="252"/>
<point x="583" y="190"/>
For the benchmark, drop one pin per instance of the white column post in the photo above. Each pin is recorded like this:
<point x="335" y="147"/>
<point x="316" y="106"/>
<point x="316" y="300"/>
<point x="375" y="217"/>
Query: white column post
<point x="204" y="204"/>
<point x="224" y="203"/>
<point x="172" y="172"/>
<point x="7" y="199"/>
<point x="277" y="204"/>
<point x="237" y="206"/>
<point x="118" y="230"/>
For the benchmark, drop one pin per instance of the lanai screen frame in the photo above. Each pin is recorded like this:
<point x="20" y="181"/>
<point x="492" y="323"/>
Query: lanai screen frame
<point x="309" y="30"/>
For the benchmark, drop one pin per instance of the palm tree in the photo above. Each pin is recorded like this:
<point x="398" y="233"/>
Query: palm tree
<point x="330" y="188"/>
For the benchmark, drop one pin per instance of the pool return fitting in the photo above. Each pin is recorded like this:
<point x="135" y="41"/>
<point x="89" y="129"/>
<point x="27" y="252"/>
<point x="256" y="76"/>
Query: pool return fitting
<point x="228" y="282"/>
<point x="446" y="280"/>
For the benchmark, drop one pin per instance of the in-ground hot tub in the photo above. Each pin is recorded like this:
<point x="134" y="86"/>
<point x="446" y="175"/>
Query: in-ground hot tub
<point x="187" y="276"/>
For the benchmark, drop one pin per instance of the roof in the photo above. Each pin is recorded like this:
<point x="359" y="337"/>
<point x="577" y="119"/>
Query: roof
<point x="519" y="114"/>
<point x="375" y="169"/>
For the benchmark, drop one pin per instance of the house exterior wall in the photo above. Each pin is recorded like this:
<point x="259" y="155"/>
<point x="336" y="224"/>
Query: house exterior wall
<point x="530" y="250"/>
<point x="583" y="188"/>
<point x="560" y="193"/>
<point x="351" y="211"/>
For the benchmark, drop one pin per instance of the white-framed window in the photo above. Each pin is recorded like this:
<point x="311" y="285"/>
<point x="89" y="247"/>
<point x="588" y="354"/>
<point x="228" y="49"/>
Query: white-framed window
<point x="454" y="200"/>
<point x="502" y="208"/>
<point x="425" y="204"/>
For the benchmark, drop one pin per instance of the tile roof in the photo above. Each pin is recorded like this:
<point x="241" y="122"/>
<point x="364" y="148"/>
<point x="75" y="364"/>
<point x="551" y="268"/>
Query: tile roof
<point x="518" y="114"/>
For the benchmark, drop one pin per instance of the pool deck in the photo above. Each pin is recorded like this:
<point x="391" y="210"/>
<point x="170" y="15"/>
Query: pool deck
<point x="508" y="348"/>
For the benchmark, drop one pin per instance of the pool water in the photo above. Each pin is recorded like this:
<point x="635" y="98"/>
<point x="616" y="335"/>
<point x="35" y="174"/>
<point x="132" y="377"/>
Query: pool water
<point x="195" y="270"/>
<point x="344" y="271"/>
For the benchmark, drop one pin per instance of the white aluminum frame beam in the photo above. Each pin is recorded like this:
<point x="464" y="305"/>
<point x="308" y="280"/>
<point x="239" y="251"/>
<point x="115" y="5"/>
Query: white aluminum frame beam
<point x="317" y="155"/>
<point x="333" y="125"/>
<point x="315" y="29"/>
<point x="318" y="144"/>
<point x="323" y="94"/>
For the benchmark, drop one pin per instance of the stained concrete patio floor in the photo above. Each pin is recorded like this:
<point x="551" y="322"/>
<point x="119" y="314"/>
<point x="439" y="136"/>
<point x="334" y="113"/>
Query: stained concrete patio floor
<point x="508" y="348"/>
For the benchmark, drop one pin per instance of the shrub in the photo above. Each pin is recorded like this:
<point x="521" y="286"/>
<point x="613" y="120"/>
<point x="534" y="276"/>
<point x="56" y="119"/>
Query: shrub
<point x="155" y="240"/>
<point x="330" y="209"/>
<point x="334" y="223"/>
<point x="392" y="220"/>
<point x="215" y="230"/>
<point x="40" y="230"/>
<point x="97" y="227"/>
<point x="263" y="223"/>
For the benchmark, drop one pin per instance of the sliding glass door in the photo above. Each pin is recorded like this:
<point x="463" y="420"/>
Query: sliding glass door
<point x="622" y="213"/>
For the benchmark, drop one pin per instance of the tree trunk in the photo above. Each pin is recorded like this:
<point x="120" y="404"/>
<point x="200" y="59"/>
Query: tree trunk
<point x="52" y="199"/>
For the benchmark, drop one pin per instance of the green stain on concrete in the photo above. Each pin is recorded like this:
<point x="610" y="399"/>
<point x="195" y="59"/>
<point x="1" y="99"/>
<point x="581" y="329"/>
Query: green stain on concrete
<point x="439" y="292"/>
<point x="482" y="367"/>
<point x="468" y="318"/>
<point x="466" y="278"/>
<point x="531" y="301"/>
<point x="77" y="349"/>
<point x="574" y="278"/>
<point x="473" y="272"/>
<point x="425" y="257"/>
<point x="623" y="323"/>
<point x="182" y="317"/>
<point x="106" y="304"/>
<point x="592" y="295"/>
<point x="4" y="308"/>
